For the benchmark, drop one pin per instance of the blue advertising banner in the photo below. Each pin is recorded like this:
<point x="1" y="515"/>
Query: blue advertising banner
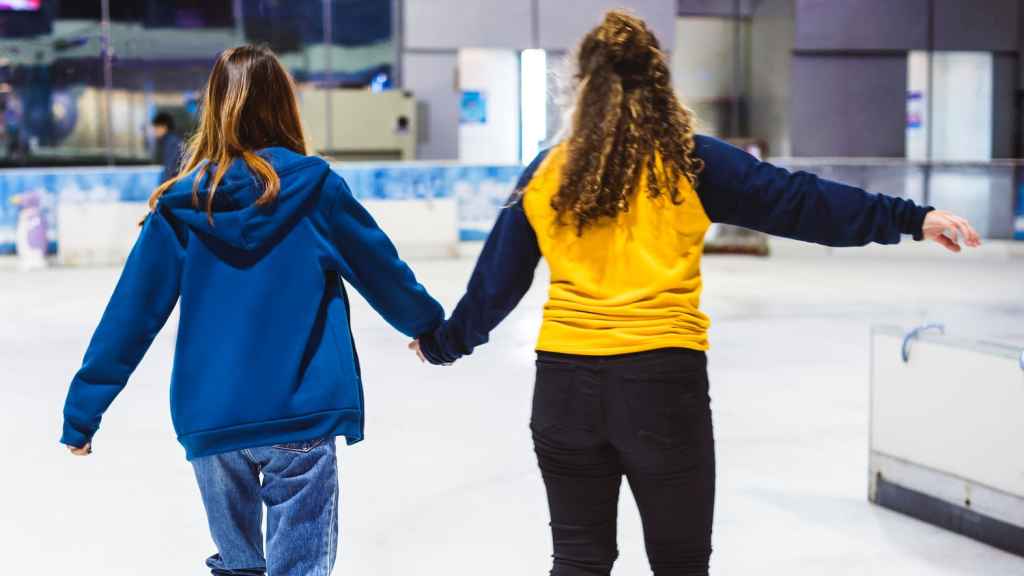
<point x="473" y="107"/>
<point x="67" y="185"/>
<point x="480" y="191"/>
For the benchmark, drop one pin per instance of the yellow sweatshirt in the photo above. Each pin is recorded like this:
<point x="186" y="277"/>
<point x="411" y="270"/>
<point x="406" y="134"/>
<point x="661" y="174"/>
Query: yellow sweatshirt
<point x="626" y="285"/>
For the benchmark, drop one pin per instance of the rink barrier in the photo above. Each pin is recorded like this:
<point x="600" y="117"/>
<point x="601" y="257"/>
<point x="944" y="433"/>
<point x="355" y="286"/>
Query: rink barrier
<point x="427" y="208"/>
<point x="945" y="432"/>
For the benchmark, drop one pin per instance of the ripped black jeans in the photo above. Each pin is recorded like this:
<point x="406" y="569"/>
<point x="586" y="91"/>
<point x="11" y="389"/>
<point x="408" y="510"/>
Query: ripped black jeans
<point x="646" y="416"/>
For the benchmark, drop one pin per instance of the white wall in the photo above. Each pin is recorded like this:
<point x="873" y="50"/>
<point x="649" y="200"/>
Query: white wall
<point x="702" y="61"/>
<point x="495" y="74"/>
<point x="962" y="106"/>
<point x="97" y="233"/>
<point x="431" y="77"/>
<point x="703" y="66"/>
<point x="772" y="38"/>
<point x="962" y="100"/>
<point x="404" y="222"/>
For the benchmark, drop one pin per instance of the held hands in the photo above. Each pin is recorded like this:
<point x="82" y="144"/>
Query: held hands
<point x="83" y="451"/>
<point x="949" y="230"/>
<point x="415" y="347"/>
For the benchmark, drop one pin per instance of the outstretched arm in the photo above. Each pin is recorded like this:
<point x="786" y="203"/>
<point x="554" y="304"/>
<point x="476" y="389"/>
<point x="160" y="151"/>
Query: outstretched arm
<point x="503" y="274"/>
<point x="370" y="263"/>
<point x="738" y="189"/>
<point x="138" y="309"/>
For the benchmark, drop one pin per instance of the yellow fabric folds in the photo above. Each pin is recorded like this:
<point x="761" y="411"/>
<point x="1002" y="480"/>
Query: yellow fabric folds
<point x="626" y="285"/>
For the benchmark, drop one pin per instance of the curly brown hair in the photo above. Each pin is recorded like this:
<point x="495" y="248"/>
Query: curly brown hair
<point x="626" y="120"/>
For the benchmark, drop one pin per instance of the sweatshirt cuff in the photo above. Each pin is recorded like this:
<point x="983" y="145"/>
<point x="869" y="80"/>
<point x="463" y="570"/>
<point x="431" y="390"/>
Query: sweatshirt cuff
<point x="428" y="324"/>
<point x="432" y="346"/>
<point x="74" y="437"/>
<point x="916" y="224"/>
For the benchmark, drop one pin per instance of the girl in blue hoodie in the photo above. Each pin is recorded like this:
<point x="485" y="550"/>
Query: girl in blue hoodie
<point x="254" y="238"/>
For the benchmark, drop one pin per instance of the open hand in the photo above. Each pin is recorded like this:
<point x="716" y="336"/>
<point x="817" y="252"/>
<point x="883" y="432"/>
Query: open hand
<point x="415" y="347"/>
<point x="83" y="451"/>
<point x="949" y="230"/>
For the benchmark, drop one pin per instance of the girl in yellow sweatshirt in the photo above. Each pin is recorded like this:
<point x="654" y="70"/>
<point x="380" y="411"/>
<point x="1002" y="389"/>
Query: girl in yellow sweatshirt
<point x="619" y="210"/>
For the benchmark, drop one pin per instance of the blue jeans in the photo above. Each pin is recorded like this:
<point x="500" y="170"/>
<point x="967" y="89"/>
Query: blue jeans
<point x="300" y="490"/>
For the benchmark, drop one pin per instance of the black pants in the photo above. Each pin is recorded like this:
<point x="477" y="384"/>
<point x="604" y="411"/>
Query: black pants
<point x="646" y="416"/>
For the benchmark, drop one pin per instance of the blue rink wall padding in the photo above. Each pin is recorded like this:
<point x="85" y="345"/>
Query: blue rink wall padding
<point x="480" y="191"/>
<point x="81" y="185"/>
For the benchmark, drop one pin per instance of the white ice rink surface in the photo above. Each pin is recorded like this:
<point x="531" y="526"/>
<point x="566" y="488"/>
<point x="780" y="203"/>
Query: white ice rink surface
<point x="446" y="482"/>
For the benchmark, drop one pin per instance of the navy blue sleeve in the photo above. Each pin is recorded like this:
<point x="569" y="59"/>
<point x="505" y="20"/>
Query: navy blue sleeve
<point x="138" y="309"/>
<point x="736" y="188"/>
<point x="370" y="263"/>
<point x="503" y="274"/>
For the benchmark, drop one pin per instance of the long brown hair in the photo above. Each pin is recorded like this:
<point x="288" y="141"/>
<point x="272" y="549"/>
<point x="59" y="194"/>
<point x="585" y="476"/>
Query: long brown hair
<point x="626" y="119"/>
<point x="249" y="104"/>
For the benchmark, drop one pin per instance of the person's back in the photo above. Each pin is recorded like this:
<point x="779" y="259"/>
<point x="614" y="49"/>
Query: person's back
<point x="254" y="238"/>
<point x="619" y="210"/>
<point x="629" y="284"/>
<point x="264" y="353"/>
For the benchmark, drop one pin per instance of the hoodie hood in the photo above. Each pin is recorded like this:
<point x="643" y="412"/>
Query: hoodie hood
<point x="237" y="220"/>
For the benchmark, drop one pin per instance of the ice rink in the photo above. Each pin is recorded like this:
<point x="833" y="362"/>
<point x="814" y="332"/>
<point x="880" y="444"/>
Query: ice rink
<point x="446" y="481"/>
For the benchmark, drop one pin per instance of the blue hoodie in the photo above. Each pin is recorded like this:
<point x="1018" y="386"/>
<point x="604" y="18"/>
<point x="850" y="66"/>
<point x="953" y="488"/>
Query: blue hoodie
<point x="265" y="352"/>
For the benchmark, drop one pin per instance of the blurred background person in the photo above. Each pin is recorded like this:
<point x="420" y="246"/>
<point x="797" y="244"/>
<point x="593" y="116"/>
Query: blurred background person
<point x="167" y="145"/>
